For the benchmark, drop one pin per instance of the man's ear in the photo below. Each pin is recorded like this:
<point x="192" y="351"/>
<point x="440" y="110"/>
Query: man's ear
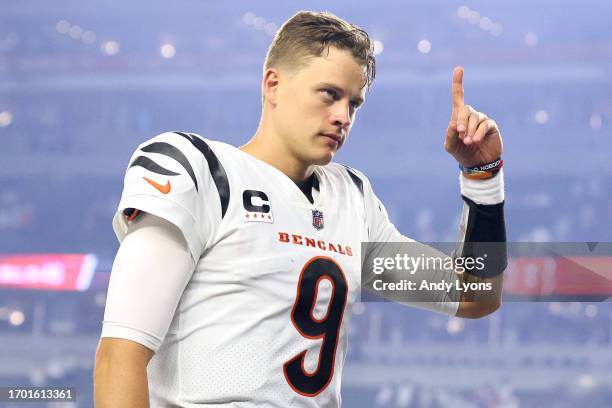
<point x="270" y="83"/>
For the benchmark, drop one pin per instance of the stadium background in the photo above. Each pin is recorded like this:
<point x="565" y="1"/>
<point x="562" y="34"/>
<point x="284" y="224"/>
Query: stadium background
<point x="83" y="83"/>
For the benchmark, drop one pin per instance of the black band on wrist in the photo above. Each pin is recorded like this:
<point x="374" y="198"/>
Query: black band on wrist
<point x="485" y="236"/>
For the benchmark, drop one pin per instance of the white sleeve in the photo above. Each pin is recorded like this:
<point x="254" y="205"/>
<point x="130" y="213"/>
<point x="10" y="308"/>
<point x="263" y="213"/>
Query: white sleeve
<point x="489" y="191"/>
<point x="152" y="267"/>
<point x="381" y="229"/>
<point x="169" y="177"/>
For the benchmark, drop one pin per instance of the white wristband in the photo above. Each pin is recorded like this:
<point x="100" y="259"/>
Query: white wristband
<point x="488" y="191"/>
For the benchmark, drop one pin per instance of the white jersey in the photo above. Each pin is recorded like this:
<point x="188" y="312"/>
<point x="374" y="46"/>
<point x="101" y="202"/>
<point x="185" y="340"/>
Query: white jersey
<point x="263" y="320"/>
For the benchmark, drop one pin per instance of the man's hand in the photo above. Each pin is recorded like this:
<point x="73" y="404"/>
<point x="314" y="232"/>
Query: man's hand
<point x="472" y="138"/>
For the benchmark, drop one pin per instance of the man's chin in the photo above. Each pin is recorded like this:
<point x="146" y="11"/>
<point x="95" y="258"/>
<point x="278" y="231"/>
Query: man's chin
<point x="324" y="159"/>
<point x="320" y="156"/>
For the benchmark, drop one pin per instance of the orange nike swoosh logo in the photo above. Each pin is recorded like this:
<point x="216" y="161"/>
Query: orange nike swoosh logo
<point x="162" y="189"/>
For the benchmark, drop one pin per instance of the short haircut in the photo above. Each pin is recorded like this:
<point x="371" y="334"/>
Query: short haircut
<point x="308" y="34"/>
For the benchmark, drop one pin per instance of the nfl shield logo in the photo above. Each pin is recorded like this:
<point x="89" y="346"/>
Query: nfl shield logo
<point x="317" y="219"/>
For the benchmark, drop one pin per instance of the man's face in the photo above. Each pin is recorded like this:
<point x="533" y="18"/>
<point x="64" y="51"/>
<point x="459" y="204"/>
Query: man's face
<point x="316" y="105"/>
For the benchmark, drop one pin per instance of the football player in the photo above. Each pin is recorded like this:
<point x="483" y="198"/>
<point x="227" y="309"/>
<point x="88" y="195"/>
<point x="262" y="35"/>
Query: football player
<point x="237" y="268"/>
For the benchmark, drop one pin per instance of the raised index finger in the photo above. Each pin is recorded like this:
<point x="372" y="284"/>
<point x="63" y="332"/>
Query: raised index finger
<point x="457" y="91"/>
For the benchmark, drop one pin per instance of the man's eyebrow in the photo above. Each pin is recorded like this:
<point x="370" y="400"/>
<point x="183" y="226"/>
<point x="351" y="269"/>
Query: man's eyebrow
<point x="359" y="100"/>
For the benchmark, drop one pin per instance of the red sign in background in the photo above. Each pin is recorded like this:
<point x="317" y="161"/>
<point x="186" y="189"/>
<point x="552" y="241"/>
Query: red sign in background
<point x="561" y="276"/>
<point x="67" y="272"/>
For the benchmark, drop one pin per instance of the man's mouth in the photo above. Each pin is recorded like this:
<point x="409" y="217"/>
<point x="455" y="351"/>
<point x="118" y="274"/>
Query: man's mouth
<point x="333" y="138"/>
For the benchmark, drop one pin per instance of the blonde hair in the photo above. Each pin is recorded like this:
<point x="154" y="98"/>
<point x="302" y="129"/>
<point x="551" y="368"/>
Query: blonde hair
<point x="308" y="34"/>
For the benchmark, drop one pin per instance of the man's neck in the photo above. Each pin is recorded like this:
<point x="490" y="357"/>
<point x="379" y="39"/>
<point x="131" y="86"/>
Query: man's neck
<point x="274" y="155"/>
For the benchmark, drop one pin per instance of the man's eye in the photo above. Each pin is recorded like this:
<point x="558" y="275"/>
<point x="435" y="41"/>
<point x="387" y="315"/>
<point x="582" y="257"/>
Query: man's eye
<point x="331" y="93"/>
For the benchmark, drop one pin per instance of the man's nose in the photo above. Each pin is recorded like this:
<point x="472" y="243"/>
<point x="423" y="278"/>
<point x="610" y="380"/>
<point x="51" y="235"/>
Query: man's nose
<point x="341" y="115"/>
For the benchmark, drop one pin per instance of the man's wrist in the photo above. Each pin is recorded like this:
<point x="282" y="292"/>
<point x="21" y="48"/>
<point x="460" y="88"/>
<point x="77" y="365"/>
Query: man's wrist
<point x="484" y="171"/>
<point x="488" y="191"/>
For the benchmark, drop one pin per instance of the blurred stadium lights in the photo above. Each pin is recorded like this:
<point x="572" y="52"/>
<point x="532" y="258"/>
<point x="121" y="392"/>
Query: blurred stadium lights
<point x="486" y="23"/>
<point x="531" y="39"/>
<point x="37" y="376"/>
<point x="259" y="23"/>
<point x="595" y="121"/>
<point x="474" y="17"/>
<point x="454" y="326"/>
<point x="55" y="368"/>
<point x="405" y="396"/>
<point x="358" y="308"/>
<point x="75" y="32"/>
<point x="167" y="50"/>
<point x="248" y="18"/>
<point x="463" y="12"/>
<point x="424" y="46"/>
<point x="586" y="381"/>
<point x="541" y="117"/>
<point x="590" y="311"/>
<point x="110" y="47"/>
<point x="494" y="28"/>
<point x="555" y="308"/>
<point x="16" y="318"/>
<point x="379" y="47"/>
<point x="384" y="396"/>
<point x="6" y="118"/>
<point x="271" y="29"/>
<point x="62" y="27"/>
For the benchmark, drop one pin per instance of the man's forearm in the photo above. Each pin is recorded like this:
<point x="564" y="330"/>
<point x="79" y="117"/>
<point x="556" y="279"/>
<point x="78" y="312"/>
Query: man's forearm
<point x="119" y="383"/>
<point x="484" y="237"/>
<point x="476" y="303"/>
